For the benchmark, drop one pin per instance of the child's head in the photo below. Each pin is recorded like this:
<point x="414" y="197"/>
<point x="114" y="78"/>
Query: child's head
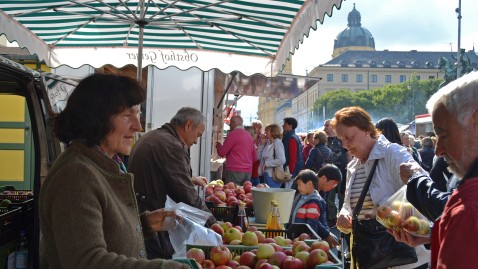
<point x="307" y="182"/>
<point x="329" y="176"/>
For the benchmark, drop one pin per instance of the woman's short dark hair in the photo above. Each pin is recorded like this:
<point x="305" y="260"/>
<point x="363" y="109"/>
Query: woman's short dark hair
<point x="331" y="172"/>
<point x="94" y="101"/>
<point x="307" y="175"/>
<point x="389" y="129"/>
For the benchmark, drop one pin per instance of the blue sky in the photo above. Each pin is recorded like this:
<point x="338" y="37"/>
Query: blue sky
<point x="398" y="25"/>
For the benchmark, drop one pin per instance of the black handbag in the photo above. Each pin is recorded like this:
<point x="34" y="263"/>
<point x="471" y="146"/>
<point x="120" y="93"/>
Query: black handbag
<point x="373" y="247"/>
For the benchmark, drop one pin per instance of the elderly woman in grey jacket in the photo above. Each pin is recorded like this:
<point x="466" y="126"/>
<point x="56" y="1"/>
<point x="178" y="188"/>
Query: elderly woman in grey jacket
<point x="271" y="154"/>
<point x="88" y="212"/>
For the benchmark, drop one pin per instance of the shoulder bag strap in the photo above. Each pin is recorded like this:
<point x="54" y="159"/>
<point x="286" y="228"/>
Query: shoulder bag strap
<point x="358" y="207"/>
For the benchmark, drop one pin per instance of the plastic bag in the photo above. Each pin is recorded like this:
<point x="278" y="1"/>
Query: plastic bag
<point x="188" y="228"/>
<point x="397" y="213"/>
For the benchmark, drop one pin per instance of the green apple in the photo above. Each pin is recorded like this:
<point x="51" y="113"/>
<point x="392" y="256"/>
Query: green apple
<point x="264" y="251"/>
<point x="232" y="234"/>
<point x="280" y="240"/>
<point x="250" y="239"/>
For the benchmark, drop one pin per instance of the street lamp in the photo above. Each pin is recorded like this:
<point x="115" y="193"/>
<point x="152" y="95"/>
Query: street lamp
<point x="458" y="55"/>
<point x="413" y="98"/>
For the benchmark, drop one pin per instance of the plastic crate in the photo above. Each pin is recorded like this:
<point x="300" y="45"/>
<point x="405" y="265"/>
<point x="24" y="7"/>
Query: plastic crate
<point x="293" y="231"/>
<point x="10" y="218"/>
<point x="191" y="262"/>
<point x="226" y="213"/>
<point x="20" y="198"/>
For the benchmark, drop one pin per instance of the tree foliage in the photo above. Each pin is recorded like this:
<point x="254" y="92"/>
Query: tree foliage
<point x="401" y="102"/>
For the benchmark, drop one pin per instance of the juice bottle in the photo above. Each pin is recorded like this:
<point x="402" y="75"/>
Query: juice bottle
<point x="275" y="221"/>
<point x="241" y="219"/>
<point x="269" y="217"/>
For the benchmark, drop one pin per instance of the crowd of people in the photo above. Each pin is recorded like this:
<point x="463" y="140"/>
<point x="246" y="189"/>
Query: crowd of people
<point x="94" y="215"/>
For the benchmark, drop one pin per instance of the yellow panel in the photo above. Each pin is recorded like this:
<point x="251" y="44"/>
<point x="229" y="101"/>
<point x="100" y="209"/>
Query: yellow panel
<point x="11" y="165"/>
<point x="12" y="108"/>
<point x="12" y="136"/>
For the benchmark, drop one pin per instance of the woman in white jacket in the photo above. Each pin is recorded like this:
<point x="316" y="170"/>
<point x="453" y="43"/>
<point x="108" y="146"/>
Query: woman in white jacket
<point x="271" y="154"/>
<point x="354" y="127"/>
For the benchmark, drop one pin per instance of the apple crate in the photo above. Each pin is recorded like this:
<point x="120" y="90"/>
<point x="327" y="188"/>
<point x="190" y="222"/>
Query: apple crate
<point x="226" y="213"/>
<point x="22" y="199"/>
<point x="293" y="231"/>
<point x="10" y="218"/>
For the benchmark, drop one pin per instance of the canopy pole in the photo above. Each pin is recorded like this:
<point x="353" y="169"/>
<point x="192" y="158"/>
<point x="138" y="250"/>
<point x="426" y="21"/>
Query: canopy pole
<point x="233" y="73"/>
<point x="141" y="23"/>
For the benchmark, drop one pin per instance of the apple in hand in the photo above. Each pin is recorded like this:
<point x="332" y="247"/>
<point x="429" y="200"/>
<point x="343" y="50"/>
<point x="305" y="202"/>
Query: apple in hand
<point x="220" y="255"/>
<point x="411" y="225"/>
<point x="197" y="254"/>
<point x="384" y="211"/>
<point x="424" y="227"/>
<point x="316" y="257"/>
<point x="394" y="219"/>
<point x="232" y="234"/>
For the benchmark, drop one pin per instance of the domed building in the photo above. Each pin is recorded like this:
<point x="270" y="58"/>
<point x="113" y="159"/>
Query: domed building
<point x="354" y="37"/>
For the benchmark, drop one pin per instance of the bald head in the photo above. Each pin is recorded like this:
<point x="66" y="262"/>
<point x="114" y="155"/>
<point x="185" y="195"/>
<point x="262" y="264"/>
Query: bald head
<point x="235" y="121"/>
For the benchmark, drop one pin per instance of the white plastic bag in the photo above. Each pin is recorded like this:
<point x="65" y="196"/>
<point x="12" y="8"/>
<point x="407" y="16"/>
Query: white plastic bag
<point x="188" y="228"/>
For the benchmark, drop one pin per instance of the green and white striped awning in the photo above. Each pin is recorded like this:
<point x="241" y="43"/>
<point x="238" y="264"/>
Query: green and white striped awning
<point x="248" y="36"/>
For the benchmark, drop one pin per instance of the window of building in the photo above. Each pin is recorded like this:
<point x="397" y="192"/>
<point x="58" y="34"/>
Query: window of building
<point x="415" y="64"/>
<point x="386" y="64"/>
<point x="358" y="64"/>
<point x="358" y="78"/>
<point x="345" y="78"/>
<point x="401" y="64"/>
<point x="430" y="65"/>
<point x="330" y="77"/>
<point x="373" y="64"/>
<point x="417" y="77"/>
<point x="403" y="78"/>
<point x="388" y="78"/>
<point x="344" y="63"/>
<point x="373" y="78"/>
<point x="431" y="77"/>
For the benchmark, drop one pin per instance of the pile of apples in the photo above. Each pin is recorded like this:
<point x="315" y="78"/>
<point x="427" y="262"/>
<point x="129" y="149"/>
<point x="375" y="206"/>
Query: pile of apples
<point x="277" y="252"/>
<point x="229" y="194"/>
<point x="402" y="215"/>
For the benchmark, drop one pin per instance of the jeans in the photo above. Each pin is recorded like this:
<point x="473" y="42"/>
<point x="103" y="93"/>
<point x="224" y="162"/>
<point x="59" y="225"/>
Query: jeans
<point x="271" y="182"/>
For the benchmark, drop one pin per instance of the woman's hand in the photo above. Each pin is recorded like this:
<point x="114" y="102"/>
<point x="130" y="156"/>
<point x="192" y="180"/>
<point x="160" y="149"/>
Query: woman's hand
<point x="344" y="223"/>
<point x="332" y="240"/>
<point x="200" y="181"/>
<point x="155" y="219"/>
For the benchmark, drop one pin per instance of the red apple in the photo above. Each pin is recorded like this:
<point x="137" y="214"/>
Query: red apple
<point x="278" y="258"/>
<point x="217" y="228"/>
<point x="316" y="257"/>
<point x="411" y="225"/>
<point x="297" y="244"/>
<point x="266" y="266"/>
<point x="208" y="264"/>
<point x="230" y="199"/>
<point x="252" y="228"/>
<point x="239" y="228"/>
<point x="221" y="195"/>
<point x="230" y="185"/>
<point x="277" y="247"/>
<point x="223" y="267"/>
<point x="233" y="264"/>
<point x="259" y="263"/>
<point x="226" y="225"/>
<point x="304" y="236"/>
<point x="240" y="190"/>
<point x="320" y="244"/>
<point x="269" y="240"/>
<point x="248" y="258"/>
<point x="424" y="227"/>
<point x="384" y="211"/>
<point x="260" y="236"/>
<point x="260" y="185"/>
<point x="248" y="189"/>
<point x="197" y="254"/>
<point x="292" y="263"/>
<point x="243" y="267"/>
<point x="247" y="183"/>
<point x="394" y="219"/>
<point x="220" y="255"/>
<point x="288" y="252"/>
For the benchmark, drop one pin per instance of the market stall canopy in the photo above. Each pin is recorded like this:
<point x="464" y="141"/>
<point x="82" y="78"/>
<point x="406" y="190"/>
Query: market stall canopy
<point x="249" y="36"/>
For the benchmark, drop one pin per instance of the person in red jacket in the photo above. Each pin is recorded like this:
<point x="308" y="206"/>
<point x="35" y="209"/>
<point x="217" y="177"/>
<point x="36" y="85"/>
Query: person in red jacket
<point x="454" y="110"/>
